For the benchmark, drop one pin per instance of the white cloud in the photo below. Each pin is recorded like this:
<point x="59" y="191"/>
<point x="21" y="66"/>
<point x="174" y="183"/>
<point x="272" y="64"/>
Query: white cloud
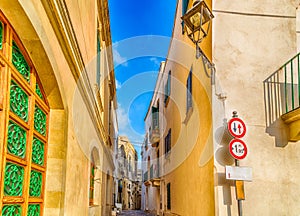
<point x="118" y="59"/>
<point x="155" y="60"/>
<point x="123" y="119"/>
<point x="126" y="129"/>
<point x="118" y="84"/>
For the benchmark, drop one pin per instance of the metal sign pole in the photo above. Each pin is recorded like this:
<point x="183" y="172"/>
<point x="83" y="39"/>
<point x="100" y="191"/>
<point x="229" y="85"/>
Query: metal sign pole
<point x="240" y="195"/>
<point x="239" y="185"/>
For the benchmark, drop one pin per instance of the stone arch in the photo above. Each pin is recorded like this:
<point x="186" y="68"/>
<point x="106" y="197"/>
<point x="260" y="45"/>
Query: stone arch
<point x="31" y="34"/>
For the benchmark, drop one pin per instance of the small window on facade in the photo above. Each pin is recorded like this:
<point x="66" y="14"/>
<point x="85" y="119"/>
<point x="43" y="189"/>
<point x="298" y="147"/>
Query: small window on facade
<point x="168" y="88"/>
<point x="92" y="183"/>
<point x="98" y="59"/>
<point x="189" y="101"/>
<point x="168" y="142"/>
<point x="169" y="196"/>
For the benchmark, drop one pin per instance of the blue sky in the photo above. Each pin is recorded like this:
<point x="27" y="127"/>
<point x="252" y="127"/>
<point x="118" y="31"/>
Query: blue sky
<point x="141" y="32"/>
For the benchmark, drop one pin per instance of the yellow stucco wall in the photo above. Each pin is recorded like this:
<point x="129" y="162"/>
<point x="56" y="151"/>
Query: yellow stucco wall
<point x="189" y="167"/>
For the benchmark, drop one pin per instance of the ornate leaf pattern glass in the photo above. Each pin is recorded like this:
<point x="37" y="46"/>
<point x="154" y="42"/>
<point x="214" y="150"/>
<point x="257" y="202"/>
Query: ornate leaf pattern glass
<point x="20" y="63"/>
<point x="35" y="186"/>
<point x="11" y="210"/>
<point x="39" y="121"/>
<point x="16" y="140"/>
<point x="18" y="101"/>
<point x="33" y="210"/>
<point x="38" y="91"/>
<point x="38" y="152"/>
<point x="13" y="180"/>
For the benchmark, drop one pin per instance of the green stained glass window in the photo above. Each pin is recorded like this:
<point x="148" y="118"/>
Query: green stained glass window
<point x="13" y="180"/>
<point x="1" y="35"/>
<point x="35" y="186"/>
<point x="20" y="63"/>
<point x="16" y="140"/>
<point x="11" y="210"/>
<point x="33" y="210"/>
<point x="38" y="91"/>
<point x="39" y="121"/>
<point x="18" y="101"/>
<point x="37" y="151"/>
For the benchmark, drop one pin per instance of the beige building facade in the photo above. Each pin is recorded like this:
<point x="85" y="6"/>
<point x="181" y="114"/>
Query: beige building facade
<point x="126" y="175"/>
<point x="57" y="108"/>
<point x="249" y="64"/>
<point x="150" y="152"/>
<point x="253" y="46"/>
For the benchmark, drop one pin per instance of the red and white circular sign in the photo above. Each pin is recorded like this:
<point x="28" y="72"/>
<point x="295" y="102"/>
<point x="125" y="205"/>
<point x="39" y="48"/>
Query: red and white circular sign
<point x="237" y="127"/>
<point x="238" y="149"/>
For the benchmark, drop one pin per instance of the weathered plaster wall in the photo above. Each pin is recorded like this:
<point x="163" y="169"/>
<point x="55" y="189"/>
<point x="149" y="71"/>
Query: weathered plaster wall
<point x="251" y="40"/>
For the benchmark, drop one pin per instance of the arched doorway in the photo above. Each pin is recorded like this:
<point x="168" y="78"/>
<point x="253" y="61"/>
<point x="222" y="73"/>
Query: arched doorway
<point x="24" y="128"/>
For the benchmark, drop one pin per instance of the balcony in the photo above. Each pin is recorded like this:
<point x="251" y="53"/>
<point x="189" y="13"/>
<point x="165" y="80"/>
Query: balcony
<point x="154" y="137"/>
<point x="154" y="175"/>
<point x="154" y="129"/>
<point x="282" y="98"/>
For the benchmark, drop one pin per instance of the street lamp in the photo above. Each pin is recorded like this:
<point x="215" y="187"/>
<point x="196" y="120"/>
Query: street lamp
<point x="197" y="20"/>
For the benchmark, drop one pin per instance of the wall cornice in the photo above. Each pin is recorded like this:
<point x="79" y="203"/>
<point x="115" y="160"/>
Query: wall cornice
<point x="59" y="17"/>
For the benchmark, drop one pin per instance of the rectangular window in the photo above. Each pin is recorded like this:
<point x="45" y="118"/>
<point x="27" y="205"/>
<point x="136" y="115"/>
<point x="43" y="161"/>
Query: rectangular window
<point x="98" y="59"/>
<point x="168" y="142"/>
<point x="185" y="4"/>
<point x="92" y="183"/>
<point x="169" y="196"/>
<point x="168" y="88"/>
<point x="155" y="120"/>
<point x="189" y="101"/>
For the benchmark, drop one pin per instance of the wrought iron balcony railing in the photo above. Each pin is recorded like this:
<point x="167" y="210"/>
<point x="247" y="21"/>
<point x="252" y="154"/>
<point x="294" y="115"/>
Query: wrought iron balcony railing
<point x="154" y="129"/>
<point x="151" y="172"/>
<point x="146" y="176"/>
<point x="281" y="90"/>
<point x="154" y="171"/>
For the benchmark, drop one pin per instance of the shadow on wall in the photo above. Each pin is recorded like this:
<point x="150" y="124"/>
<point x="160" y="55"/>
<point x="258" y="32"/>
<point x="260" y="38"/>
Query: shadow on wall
<point x="280" y="131"/>
<point x="223" y="138"/>
<point x="223" y="157"/>
<point x="278" y="101"/>
<point x="282" y="96"/>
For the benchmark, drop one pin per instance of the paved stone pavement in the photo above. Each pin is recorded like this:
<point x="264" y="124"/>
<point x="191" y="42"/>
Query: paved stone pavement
<point x="134" y="213"/>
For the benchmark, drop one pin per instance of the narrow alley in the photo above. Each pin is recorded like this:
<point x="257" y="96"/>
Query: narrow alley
<point x="135" y="213"/>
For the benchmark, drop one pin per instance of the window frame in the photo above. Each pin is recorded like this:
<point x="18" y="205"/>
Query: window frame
<point x="92" y="184"/>
<point x="168" y="142"/>
<point x="168" y="89"/>
<point x="169" y="196"/>
<point x="98" y="72"/>
<point x="189" y="92"/>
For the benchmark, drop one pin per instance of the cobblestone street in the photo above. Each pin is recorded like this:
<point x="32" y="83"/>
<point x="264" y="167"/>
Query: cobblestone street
<point x="135" y="213"/>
